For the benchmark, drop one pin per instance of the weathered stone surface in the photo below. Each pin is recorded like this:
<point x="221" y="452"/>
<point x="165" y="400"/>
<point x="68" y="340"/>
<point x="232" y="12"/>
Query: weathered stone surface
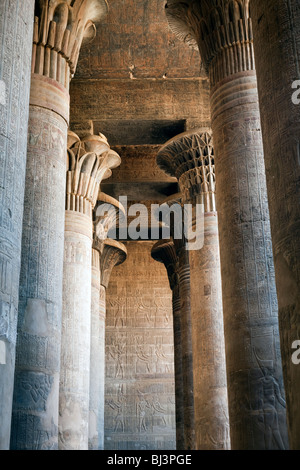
<point x="210" y="389"/>
<point x="59" y="29"/>
<point x="105" y="255"/>
<point x="41" y="277"/>
<point x="139" y="408"/>
<point x="76" y="334"/>
<point x="138" y="165"/>
<point x="112" y="254"/>
<point x="276" y="29"/>
<point x="249" y="297"/>
<point x="129" y="95"/>
<point x="190" y="157"/>
<point x="187" y="346"/>
<point x="164" y="252"/>
<point x="184" y="300"/>
<point x="90" y="160"/>
<point x="58" y="33"/>
<point x="134" y="41"/>
<point x="97" y="360"/>
<point x="16" y="20"/>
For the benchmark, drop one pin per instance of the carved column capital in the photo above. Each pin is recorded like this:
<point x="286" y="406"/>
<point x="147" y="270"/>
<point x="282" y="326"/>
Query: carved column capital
<point x="106" y="216"/>
<point x="59" y="29"/>
<point x="164" y="252"/>
<point x="222" y="29"/>
<point x="114" y="253"/>
<point x="190" y="158"/>
<point x="90" y="160"/>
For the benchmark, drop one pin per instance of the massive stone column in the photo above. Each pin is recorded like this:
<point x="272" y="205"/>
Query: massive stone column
<point x="190" y="158"/>
<point x="104" y="220"/>
<point x="59" y="29"/>
<point x="164" y="252"/>
<point x="276" y="31"/>
<point x="90" y="161"/>
<point x="223" y="31"/>
<point x="16" y="22"/>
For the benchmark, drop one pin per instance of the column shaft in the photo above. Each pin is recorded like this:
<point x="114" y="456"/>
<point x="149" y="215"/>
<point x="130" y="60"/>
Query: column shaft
<point x="101" y="346"/>
<point x="254" y="372"/>
<point x="276" y="31"/>
<point x="187" y="349"/>
<point x="96" y="424"/>
<point x="76" y="333"/>
<point x="190" y="157"/>
<point x="257" y="414"/>
<point x="40" y="302"/>
<point x="16" y="23"/>
<point x="211" y="403"/>
<point x="179" y="394"/>
<point x="59" y="29"/>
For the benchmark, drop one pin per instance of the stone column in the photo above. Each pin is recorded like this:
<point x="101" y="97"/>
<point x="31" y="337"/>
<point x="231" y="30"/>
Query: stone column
<point x="114" y="253"/>
<point x="90" y="161"/>
<point x="164" y="252"/>
<point x="254" y="372"/>
<point x="16" y="22"/>
<point x="182" y="257"/>
<point x="187" y="346"/>
<point x="190" y="158"/>
<point x="59" y="29"/>
<point x="110" y="209"/>
<point x="276" y="30"/>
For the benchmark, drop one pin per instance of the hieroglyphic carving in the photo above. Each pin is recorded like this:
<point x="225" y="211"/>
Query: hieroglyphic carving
<point x="223" y="32"/>
<point x="136" y="316"/>
<point x="190" y="157"/>
<point x="117" y="350"/>
<point x="143" y="356"/>
<point x="89" y="161"/>
<point x="118" y="406"/>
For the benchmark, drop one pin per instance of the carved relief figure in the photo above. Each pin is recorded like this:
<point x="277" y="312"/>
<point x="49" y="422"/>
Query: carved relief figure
<point x="142" y="406"/>
<point x="145" y="308"/>
<point x="269" y="398"/>
<point x="119" y="406"/>
<point x="142" y="354"/>
<point x="158" y="413"/>
<point x="117" y="351"/>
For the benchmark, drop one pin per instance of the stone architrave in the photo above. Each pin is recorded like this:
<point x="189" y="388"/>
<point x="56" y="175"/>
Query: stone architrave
<point x="222" y="30"/>
<point x="190" y="157"/>
<point x="90" y="160"/>
<point x="16" y="22"/>
<point x="164" y="252"/>
<point x="276" y="31"/>
<point x="110" y="210"/>
<point x="59" y="29"/>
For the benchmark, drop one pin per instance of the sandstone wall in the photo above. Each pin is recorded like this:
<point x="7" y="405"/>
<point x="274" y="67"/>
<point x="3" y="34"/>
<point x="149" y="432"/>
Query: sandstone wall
<point x="139" y="391"/>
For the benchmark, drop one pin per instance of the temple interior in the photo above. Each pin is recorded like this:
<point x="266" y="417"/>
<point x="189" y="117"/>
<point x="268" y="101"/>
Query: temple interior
<point x="149" y="225"/>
